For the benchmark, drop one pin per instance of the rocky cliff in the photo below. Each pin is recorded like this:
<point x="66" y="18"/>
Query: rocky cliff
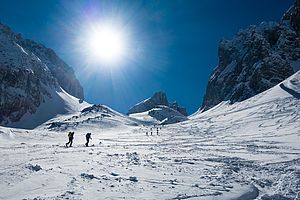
<point x="258" y="58"/>
<point x="29" y="74"/>
<point x="59" y="69"/>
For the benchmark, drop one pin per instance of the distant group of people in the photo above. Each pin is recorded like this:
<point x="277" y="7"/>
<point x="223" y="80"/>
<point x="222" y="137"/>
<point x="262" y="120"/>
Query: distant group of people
<point x="88" y="137"/>
<point x="152" y="131"/>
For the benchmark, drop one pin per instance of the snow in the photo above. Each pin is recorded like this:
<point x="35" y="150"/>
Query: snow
<point x="247" y="150"/>
<point x="21" y="48"/>
<point x="159" y="115"/>
<point x="158" y="101"/>
<point x="144" y="116"/>
<point x="60" y="103"/>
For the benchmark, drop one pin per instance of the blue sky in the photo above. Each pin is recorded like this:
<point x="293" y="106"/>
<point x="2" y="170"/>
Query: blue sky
<point x="174" y="44"/>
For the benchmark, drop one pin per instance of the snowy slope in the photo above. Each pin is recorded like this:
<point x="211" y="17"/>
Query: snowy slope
<point x="91" y="117"/>
<point x="160" y="115"/>
<point x="59" y="103"/>
<point x="144" y="116"/>
<point x="247" y="150"/>
<point x="285" y="90"/>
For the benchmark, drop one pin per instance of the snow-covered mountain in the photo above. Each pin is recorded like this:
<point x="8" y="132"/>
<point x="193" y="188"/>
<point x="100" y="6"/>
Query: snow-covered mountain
<point x="158" y="99"/>
<point x="158" y="109"/>
<point x="160" y="115"/>
<point x="246" y="150"/>
<point x="58" y="103"/>
<point x="90" y="117"/>
<point x="32" y="76"/>
<point x="257" y="59"/>
<point x="234" y="151"/>
<point x="63" y="73"/>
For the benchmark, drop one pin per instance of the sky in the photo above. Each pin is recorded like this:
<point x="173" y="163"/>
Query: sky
<point x="172" y="44"/>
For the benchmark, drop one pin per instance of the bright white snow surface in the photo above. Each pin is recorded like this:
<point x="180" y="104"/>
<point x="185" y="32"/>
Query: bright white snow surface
<point x="248" y="150"/>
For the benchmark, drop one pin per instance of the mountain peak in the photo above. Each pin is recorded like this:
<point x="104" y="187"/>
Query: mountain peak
<point x="292" y="17"/>
<point x="158" y="99"/>
<point x="31" y="74"/>
<point x="256" y="59"/>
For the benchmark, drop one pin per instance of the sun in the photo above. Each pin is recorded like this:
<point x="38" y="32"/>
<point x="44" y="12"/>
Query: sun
<point x="106" y="45"/>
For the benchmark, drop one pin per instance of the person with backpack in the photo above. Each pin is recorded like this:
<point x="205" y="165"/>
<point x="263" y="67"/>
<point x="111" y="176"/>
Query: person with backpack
<point x="71" y="137"/>
<point x="87" y="137"/>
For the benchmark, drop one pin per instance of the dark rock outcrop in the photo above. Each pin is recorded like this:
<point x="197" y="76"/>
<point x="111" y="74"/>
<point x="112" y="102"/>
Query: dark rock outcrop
<point x="60" y="70"/>
<point x="292" y="17"/>
<point x="63" y="73"/>
<point x="257" y="59"/>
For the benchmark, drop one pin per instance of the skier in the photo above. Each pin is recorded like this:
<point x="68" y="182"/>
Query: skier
<point x="71" y="137"/>
<point x="157" y="130"/>
<point x="151" y="131"/>
<point x="87" y="137"/>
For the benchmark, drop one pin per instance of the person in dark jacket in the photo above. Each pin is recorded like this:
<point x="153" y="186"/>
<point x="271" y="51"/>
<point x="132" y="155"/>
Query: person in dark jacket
<point x="87" y="137"/>
<point x="71" y="137"/>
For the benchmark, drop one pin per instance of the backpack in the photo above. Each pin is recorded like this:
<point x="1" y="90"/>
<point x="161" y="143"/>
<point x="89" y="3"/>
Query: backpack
<point x="71" y="134"/>
<point x="88" y="135"/>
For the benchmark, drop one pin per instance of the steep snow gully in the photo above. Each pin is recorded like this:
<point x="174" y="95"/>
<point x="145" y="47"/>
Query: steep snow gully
<point x="247" y="150"/>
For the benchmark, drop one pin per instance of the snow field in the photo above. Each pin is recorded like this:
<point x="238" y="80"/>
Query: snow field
<point x="248" y="150"/>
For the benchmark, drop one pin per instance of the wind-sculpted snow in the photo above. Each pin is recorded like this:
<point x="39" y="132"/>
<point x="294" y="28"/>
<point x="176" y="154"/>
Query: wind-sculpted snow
<point x="247" y="150"/>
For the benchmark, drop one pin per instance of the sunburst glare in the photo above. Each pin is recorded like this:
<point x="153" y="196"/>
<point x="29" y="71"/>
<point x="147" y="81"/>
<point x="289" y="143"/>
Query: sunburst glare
<point x="106" y="44"/>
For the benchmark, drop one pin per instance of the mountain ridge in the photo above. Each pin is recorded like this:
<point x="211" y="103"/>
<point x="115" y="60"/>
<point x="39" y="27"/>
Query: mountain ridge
<point x="28" y="76"/>
<point x="158" y="99"/>
<point x="256" y="59"/>
<point x="158" y="110"/>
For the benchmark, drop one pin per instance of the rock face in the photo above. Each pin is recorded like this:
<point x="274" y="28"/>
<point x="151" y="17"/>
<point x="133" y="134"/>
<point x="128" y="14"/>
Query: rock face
<point x="29" y="71"/>
<point x="59" y="69"/>
<point x="292" y="17"/>
<point x="158" y="99"/>
<point x="257" y="59"/>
